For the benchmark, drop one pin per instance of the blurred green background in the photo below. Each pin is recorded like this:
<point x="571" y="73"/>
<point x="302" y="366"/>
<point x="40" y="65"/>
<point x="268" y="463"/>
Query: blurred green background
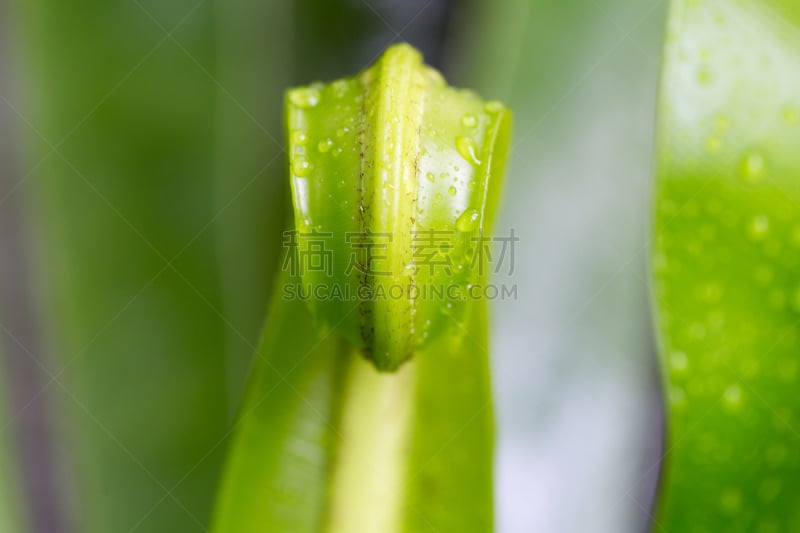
<point x="142" y="199"/>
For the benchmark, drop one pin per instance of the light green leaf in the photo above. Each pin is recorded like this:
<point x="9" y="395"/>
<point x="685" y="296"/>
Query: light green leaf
<point x="262" y="48"/>
<point x="727" y="252"/>
<point x="325" y="442"/>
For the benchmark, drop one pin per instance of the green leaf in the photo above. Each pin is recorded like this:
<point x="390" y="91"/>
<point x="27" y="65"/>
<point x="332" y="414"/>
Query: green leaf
<point x="11" y="509"/>
<point x="116" y="119"/>
<point x="325" y="441"/>
<point x="262" y="48"/>
<point x="416" y="170"/>
<point x="727" y="252"/>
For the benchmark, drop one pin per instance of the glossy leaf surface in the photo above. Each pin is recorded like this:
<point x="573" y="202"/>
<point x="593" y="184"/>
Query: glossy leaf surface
<point x="398" y="171"/>
<point x="326" y="442"/>
<point x="727" y="252"/>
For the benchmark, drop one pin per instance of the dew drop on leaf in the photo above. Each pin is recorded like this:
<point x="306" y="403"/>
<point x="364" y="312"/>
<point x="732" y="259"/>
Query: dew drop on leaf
<point x="758" y="227"/>
<point x="731" y="499"/>
<point x="305" y="97"/>
<point x="339" y="88"/>
<point x="753" y="166"/>
<point x="776" y="454"/>
<point x="677" y="396"/>
<point x="713" y="144"/>
<point x="300" y="166"/>
<point x="324" y="145"/>
<point x="733" y="396"/>
<point x="790" y="116"/>
<point x="493" y="107"/>
<point x="469" y="121"/>
<point x="468" y="220"/>
<point x="678" y="361"/>
<point x="299" y="137"/>
<point x="466" y="147"/>
<point x="769" y="489"/>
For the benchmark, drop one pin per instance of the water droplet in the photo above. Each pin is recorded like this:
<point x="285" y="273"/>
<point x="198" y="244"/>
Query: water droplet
<point x="466" y="147"/>
<point x="452" y="191"/>
<point x="337" y="152"/>
<point x="697" y="330"/>
<point x="431" y="176"/>
<point x="677" y="396"/>
<point x="730" y="499"/>
<point x="704" y="76"/>
<point x="438" y="197"/>
<point x="678" y="361"/>
<point x="776" y="454"/>
<point x="759" y="226"/>
<point x="753" y="166"/>
<point x="713" y="144"/>
<point x="469" y="121"/>
<point x="493" y="107"/>
<point x="733" y="396"/>
<point x="341" y="132"/>
<point x="796" y="236"/>
<point x="325" y="145"/>
<point x="711" y="292"/>
<point x="434" y="76"/>
<point x="716" y="319"/>
<point x="299" y="137"/>
<point x="790" y="116"/>
<point x="763" y="275"/>
<point x="300" y="166"/>
<point x="770" y="489"/>
<point x="468" y="220"/>
<point x="305" y="97"/>
<point x="339" y="88"/>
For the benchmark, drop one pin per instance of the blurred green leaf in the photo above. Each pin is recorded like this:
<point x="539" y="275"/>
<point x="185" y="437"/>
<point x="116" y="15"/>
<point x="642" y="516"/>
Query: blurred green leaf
<point x="117" y="119"/>
<point x="324" y="442"/>
<point x="10" y="505"/>
<point x="727" y="252"/>
<point x="262" y="48"/>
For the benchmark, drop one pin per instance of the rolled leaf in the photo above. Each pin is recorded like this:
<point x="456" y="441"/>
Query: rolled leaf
<point x="367" y="413"/>
<point x="395" y="169"/>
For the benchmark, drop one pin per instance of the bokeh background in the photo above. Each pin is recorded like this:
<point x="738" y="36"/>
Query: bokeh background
<point x="142" y="199"/>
